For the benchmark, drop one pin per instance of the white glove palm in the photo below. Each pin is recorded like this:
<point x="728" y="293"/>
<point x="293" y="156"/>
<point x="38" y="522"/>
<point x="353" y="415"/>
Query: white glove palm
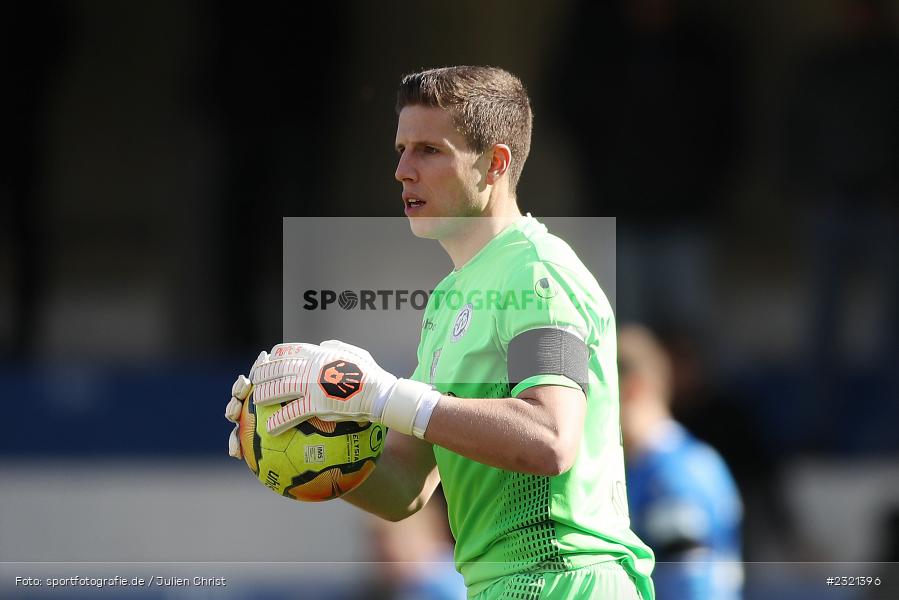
<point x="334" y="382"/>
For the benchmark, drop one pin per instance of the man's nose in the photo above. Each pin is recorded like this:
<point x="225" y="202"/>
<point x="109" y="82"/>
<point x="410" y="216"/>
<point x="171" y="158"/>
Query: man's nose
<point x="405" y="171"/>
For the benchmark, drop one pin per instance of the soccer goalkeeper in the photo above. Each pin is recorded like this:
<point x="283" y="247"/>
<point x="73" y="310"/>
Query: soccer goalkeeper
<point x="514" y="403"/>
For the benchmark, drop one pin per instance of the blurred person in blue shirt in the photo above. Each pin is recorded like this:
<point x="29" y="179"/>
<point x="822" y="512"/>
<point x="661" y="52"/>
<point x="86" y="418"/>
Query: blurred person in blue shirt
<point x="682" y="498"/>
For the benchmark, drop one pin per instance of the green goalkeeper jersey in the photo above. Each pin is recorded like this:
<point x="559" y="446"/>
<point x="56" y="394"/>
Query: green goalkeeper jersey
<point x="527" y="282"/>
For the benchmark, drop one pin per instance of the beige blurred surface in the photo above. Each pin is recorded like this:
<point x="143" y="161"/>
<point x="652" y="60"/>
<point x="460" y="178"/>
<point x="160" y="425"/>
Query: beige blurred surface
<point x="164" y="511"/>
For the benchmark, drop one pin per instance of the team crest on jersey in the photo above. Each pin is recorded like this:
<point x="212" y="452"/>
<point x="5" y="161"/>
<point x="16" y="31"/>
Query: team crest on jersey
<point x="463" y="320"/>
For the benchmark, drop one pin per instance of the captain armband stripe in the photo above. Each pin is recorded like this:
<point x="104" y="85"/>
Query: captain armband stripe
<point x="548" y="351"/>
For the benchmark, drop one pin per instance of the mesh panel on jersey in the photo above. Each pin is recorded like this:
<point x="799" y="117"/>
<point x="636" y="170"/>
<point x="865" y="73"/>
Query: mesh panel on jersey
<point x="523" y="587"/>
<point x="498" y="390"/>
<point x="523" y="521"/>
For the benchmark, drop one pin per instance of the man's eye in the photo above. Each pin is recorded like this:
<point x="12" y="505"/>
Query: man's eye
<point x="430" y="150"/>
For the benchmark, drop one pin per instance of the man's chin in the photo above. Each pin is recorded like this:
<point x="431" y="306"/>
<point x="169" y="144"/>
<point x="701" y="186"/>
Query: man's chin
<point x="440" y="228"/>
<point x="429" y="228"/>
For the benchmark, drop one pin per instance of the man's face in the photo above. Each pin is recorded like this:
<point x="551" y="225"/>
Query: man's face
<point x="442" y="177"/>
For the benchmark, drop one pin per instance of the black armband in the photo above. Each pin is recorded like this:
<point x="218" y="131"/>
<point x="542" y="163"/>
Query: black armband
<point x="548" y="351"/>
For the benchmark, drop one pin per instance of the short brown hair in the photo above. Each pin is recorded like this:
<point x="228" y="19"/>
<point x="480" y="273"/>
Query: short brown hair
<point x="488" y="105"/>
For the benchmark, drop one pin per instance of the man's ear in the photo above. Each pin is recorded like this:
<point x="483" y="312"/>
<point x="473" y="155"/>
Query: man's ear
<point x="499" y="163"/>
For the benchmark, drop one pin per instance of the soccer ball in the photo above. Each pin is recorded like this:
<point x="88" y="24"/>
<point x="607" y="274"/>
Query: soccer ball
<point x="314" y="461"/>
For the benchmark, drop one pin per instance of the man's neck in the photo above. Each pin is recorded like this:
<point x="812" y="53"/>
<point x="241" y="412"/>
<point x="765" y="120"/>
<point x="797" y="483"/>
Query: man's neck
<point x="476" y="234"/>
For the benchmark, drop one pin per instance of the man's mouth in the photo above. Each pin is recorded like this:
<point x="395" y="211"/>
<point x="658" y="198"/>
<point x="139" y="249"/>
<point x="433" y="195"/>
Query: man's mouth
<point x="413" y="202"/>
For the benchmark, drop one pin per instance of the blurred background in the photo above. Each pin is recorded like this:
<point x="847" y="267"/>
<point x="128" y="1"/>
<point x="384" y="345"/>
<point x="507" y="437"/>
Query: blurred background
<point x="750" y="152"/>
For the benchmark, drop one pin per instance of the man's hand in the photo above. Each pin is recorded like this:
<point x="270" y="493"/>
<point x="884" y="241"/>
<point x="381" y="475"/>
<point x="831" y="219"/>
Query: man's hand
<point x="240" y="391"/>
<point x="334" y="382"/>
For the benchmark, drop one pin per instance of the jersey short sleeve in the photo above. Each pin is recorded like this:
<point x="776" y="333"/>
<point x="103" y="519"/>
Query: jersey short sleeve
<point x="543" y="329"/>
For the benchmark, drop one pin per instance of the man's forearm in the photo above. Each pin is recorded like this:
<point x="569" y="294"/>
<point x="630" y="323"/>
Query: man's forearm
<point x="535" y="434"/>
<point x="402" y="482"/>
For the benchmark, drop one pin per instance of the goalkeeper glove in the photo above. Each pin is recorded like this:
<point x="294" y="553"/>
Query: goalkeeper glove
<point x="334" y="382"/>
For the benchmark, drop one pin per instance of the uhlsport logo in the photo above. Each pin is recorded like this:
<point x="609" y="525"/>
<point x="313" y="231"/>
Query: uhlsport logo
<point x="376" y="439"/>
<point x="340" y="379"/>
<point x="545" y="288"/>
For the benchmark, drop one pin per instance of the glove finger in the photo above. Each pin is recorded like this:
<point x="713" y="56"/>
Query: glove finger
<point x="337" y="345"/>
<point x="292" y="350"/>
<point x="280" y="352"/>
<point x="260" y="360"/>
<point x="232" y="411"/>
<point x="234" y="449"/>
<point x="277" y="369"/>
<point x="281" y="389"/>
<point x="242" y="388"/>
<point x="289" y="415"/>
